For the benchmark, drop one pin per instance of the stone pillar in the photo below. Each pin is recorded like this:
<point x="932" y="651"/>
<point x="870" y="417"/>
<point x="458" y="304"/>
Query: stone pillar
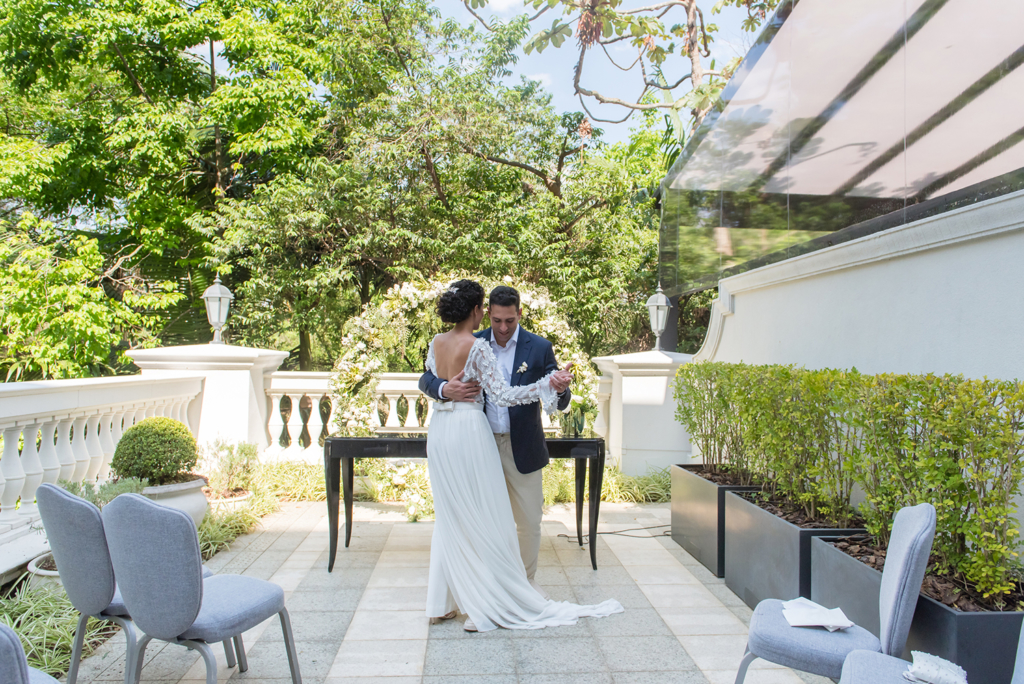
<point x="638" y="420"/>
<point x="233" y="403"/>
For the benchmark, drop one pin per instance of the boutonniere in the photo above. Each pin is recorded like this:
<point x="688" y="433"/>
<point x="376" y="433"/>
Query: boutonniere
<point x="522" y="368"/>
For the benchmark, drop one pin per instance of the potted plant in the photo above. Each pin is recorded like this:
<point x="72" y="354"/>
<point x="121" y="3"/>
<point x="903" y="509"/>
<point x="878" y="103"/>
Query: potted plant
<point x="231" y="469"/>
<point x="955" y="443"/>
<point x="163" y="451"/>
<point x="782" y="427"/>
<point x="42" y="569"/>
<point x="698" y="490"/>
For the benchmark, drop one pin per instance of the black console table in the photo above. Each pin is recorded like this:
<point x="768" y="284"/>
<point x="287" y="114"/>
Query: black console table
<point x="340" y="452"/>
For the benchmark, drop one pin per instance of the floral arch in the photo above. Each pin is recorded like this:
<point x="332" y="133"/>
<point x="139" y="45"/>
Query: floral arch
<point x="392" y="336"/>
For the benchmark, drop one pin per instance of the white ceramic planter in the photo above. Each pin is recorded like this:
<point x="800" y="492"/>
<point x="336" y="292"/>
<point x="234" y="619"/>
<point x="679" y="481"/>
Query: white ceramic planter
<point x="39" y="578"/>
<point x="185" y="496"/>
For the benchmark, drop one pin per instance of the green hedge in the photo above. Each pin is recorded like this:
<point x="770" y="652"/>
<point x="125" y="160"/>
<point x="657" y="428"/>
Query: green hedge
<point x="810" y="436"/>
<point x="160" y="450"/>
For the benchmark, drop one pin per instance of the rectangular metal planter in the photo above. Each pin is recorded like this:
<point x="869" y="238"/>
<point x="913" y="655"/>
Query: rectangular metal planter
<point x="698" y="516"/>
<point x="984" y="644"/>
<point x="766" y="556"/>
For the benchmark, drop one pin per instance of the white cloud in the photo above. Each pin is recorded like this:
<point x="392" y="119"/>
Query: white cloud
<point x="545" y="79"/>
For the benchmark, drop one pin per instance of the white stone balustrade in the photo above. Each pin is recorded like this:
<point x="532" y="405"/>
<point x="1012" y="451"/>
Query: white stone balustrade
<point x="68" y="429"/>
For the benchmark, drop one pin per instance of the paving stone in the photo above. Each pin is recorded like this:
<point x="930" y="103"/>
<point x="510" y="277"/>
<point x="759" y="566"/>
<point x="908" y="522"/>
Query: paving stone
<point x="470" y="679"/>
<point x="311" y="625"/>
<point x="688" y="677"/>
<point x="645" y="654"/>
<point x="336" y="600"/>
<point x="453" y="629"/>
<point x="603" y="576"/>
<point x="469" y="657"/>
<point x="628" y="596"/>
<point x="269" y="660"/>
<point x="631" y="622"/>
<point x="557" y="656"/>
<point x="589" y="678"/>
<point x="382" y="658"/>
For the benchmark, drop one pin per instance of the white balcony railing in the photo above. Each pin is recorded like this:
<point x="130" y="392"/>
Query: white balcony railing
<point x="68" y="430"/>
<point x="299" y="435"/>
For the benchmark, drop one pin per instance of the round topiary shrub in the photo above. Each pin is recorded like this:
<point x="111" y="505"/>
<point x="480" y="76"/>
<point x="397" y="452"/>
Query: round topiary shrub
<point x="160" y="450"/>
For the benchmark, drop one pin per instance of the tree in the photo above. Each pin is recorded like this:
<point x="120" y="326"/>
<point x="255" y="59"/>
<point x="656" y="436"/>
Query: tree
<point x="62" y="315"/>
<point x="668" y="55"/>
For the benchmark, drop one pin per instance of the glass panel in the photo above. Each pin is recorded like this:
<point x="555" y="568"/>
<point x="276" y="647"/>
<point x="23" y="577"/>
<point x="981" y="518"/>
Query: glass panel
<point x="846" y="119"/>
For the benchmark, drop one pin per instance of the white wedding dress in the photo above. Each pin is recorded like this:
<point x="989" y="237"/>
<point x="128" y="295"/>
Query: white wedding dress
<point x="475" y="565"/>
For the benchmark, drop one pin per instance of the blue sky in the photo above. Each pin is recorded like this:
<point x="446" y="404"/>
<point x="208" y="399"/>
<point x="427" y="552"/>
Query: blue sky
<point x="554" y="67"/>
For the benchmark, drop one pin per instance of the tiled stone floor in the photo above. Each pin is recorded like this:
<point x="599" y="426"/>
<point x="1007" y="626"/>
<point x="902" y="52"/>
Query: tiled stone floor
<point x="365" y="622"/>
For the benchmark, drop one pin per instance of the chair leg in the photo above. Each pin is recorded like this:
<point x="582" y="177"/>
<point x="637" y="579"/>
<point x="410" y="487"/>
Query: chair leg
<point x="748" y="658"/>
<point x="138" y="658"/>
<point x="129" y="646"/>
<point x="76" y="649"/>
<point x="289" y="645"/>
<point x="243" y="663"/>
<point x="210" y="659"/>
<point x="229" y="653"/>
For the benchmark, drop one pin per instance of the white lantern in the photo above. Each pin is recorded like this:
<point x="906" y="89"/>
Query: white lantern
<point x="218" y="301"/>
<point x="658" y="306"/>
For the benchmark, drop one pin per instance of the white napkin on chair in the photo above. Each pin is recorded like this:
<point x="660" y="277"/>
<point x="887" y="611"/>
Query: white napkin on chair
<point x="801" y="612"/>
<point x="934" y="670"/>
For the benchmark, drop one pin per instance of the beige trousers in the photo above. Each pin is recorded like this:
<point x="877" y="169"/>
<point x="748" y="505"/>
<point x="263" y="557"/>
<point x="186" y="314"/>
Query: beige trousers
<point x="526" y="492"/>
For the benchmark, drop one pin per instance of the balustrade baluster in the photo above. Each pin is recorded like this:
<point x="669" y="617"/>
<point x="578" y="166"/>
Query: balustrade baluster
<point x="139" y="415"/>
<point x="80" y="450"/>
<point x="151" y="410"/>
<point x="315" y="425"/>
<point x="430" y="411"/>
<point x="93" y="447"/>
<point x="331" y="429"/>
<point x="48" y="453"/>
<point x="14" y="478"/>
<point x="411" y="419"/>
<point x="183" y="412"/>
<point x="116" y="430"/>
<point x="106" y="444"/>
<point x="392" y="419"/>
<point x="275" y="425"/>
<point x="33" y="468"/>
<point x="295" y="426"/>
<point x="176" y="409"/>
<point x="65" y="454"/>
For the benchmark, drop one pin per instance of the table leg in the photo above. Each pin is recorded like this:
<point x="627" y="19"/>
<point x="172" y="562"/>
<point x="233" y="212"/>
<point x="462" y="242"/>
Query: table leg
<point x="332" y="467"/>
<point x="347" y="477"/>
<point x="581" y="488"/>
<point x="596" y="480"/>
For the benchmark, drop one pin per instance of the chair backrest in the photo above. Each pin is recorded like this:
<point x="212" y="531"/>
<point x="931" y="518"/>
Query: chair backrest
<point x="155" y="552"/>
<point x="13" y="666"/>
<point x="74" y="529"/>
<point x="906" y="560"/>
<point x="1018" y="665"/>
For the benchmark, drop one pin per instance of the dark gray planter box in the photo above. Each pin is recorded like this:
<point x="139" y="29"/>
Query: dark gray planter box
<point x="765" y="556"/>
<point x="984" y="644"/>
<point x="698" y="516"/>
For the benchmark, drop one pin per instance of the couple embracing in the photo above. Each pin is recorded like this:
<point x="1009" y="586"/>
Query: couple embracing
<point x="486" y="449"/>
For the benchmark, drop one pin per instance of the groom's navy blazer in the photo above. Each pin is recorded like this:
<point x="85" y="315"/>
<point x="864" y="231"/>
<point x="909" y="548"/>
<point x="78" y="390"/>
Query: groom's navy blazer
<point x="526" y="430"/>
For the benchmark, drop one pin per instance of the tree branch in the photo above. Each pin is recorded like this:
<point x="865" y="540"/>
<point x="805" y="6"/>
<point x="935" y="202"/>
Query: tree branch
<point x="603" y="99"/>
<point x="478" y="17"/>
<point x="653" y="8"/>
<point x="612" y="60"/>
<point x="441" y="195"/>
<point x="131" y="74"/>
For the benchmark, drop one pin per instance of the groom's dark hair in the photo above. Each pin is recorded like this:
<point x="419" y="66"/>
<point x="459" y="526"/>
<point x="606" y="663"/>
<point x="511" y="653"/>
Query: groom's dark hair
<point x="503" y="295"/>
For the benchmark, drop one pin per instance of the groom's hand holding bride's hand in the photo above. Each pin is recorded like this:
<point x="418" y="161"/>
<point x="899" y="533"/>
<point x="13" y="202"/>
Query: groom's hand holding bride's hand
<point x="457" y="390"/>
<point x="560" y="380"/>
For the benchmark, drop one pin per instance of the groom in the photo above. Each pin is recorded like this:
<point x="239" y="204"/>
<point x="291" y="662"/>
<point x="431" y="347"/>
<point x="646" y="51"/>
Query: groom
<point x="524" y="358"/>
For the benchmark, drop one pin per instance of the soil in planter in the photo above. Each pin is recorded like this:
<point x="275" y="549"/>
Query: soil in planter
<point x="946" y="589"/>
<point x="47" y="564"/>
<point x="723" y="478"/>
<point x="793" y="513"/>
<point x="224" y="494"/>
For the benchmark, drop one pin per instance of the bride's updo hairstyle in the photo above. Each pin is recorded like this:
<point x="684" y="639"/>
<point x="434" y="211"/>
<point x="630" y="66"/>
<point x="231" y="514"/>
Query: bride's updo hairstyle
<point x="459" y="300"/>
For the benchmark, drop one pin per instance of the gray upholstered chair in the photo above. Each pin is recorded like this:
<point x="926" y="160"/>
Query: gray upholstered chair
<point x="14" y="667"/>
<point x="869" y="667"/>
<point x="74" y="529"/>
<point x="155" y="554"/>
<point x="821" y="652"/>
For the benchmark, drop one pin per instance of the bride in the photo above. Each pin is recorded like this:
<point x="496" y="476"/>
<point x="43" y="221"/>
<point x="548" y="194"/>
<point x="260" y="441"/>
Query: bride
<point x="475" y="565"/>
